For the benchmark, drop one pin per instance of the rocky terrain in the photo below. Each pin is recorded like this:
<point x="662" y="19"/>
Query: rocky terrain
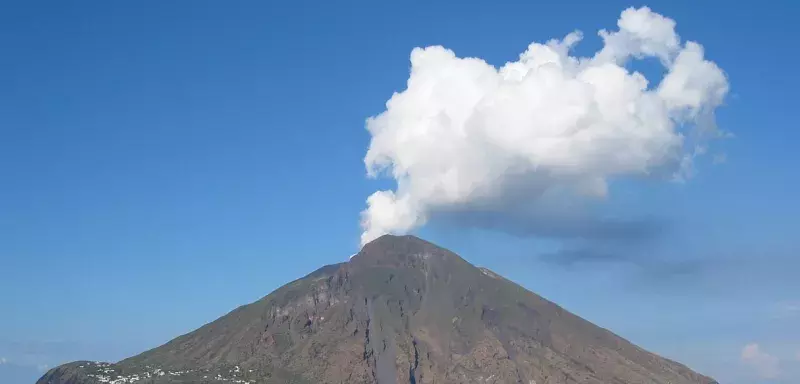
<point x="400" y="311"/>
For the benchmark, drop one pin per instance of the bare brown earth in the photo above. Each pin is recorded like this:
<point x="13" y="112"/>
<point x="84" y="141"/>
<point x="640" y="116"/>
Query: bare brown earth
<point x="401" y="311"/>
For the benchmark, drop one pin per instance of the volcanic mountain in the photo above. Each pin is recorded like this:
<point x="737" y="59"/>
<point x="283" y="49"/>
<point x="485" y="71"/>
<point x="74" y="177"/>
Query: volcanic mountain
<point x="402" y="310"/>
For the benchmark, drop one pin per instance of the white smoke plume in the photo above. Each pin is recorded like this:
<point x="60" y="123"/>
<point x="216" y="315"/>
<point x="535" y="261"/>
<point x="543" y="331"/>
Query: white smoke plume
<point x="465" y="133"/>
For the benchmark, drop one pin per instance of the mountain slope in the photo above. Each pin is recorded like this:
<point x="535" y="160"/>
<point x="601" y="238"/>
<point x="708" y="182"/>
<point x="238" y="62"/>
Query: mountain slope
<point x="400" y="311"/>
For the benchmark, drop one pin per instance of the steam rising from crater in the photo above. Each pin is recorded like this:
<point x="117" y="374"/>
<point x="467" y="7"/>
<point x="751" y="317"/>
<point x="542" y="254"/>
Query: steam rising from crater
<point x="465" y="134"/>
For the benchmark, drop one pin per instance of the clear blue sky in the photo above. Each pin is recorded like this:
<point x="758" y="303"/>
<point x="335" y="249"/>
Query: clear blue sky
<point x="164" y="162"/>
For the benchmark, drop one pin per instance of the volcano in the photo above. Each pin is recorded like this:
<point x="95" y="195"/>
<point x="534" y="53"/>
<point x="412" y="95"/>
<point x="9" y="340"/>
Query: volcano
<point x="402" y="310"/>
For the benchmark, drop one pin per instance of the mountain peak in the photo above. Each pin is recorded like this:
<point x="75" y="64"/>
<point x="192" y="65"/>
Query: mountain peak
<point x="405" y="242"/>
<point x="399" y="251"/>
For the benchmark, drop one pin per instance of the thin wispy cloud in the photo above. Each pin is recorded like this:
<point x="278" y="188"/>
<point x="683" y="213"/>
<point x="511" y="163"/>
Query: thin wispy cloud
<point x="534" y="141"/>
<point x="792" y="307"/>
<point x="649" y="267"/>
<point x="786" y="310"/>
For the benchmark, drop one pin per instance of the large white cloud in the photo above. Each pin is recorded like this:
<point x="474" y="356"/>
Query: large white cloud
<point x="465" y="133"/>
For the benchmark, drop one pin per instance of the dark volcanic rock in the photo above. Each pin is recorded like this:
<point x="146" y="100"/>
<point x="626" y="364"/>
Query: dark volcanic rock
<point x="400" y="311"/>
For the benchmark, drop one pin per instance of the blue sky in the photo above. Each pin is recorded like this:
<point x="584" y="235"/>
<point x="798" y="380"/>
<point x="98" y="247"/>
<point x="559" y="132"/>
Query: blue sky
<point x="161" y="164"/>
